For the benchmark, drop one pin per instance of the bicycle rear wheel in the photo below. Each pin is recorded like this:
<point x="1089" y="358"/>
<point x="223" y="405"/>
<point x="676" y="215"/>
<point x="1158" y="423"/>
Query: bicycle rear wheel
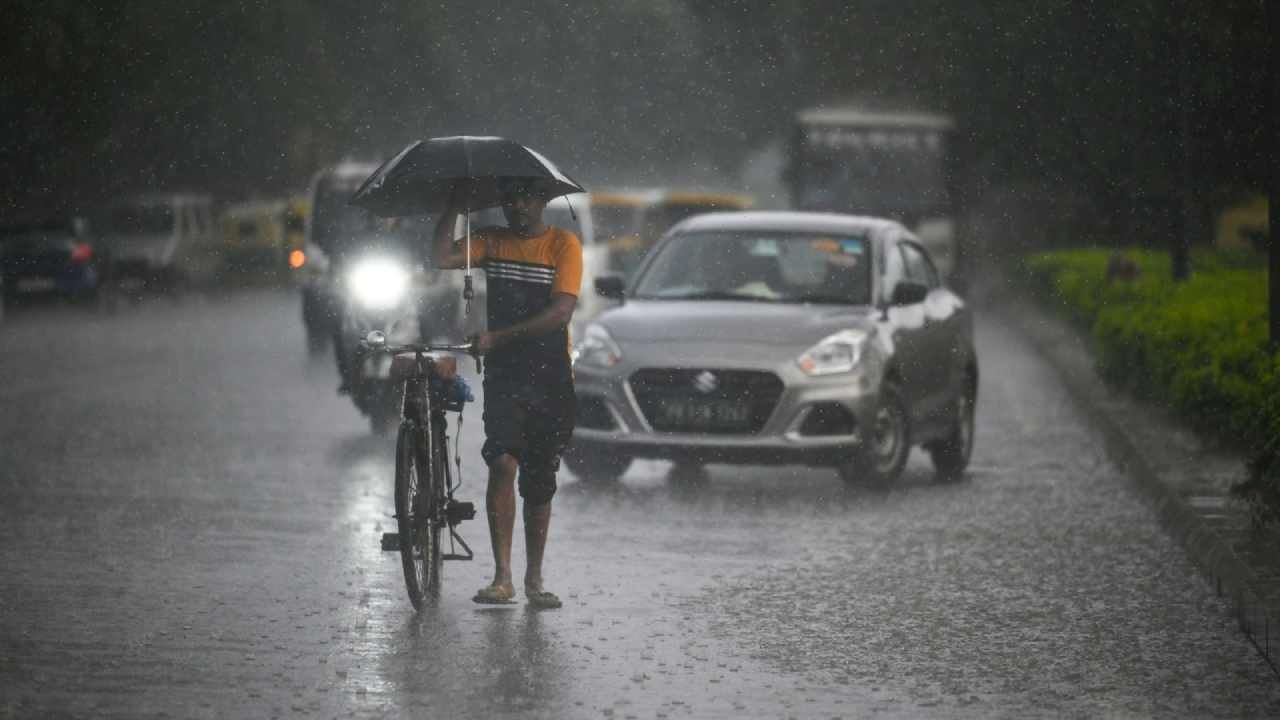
<point x="418" y="512"/>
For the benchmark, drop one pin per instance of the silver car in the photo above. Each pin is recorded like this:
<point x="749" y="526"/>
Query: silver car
<point x="778" y="338"/>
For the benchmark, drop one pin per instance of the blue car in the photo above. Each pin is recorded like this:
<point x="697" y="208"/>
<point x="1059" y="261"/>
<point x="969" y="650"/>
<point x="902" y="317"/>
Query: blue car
<point x="51" y="258"/>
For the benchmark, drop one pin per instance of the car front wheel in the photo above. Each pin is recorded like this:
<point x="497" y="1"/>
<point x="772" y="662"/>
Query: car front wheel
<point x="886" y="444"/>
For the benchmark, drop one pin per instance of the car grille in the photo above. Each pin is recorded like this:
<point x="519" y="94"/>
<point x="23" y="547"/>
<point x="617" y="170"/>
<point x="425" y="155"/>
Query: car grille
<point x="698" y="400"/>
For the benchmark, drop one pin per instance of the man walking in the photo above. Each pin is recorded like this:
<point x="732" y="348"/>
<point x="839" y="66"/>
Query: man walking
<point x="532" y="273"/>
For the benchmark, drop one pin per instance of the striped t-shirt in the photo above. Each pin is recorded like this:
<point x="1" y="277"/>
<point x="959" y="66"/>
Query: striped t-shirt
<point x="521" y="275"/>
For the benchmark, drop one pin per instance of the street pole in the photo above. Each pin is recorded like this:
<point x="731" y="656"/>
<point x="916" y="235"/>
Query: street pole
<point x="1179" y="252"/>
<point x="1270" y="136"/>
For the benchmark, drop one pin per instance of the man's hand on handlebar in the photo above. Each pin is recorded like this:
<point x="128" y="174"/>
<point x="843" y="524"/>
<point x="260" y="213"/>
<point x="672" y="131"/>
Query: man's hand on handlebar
<point x="483" y="343"/>
<point x="376" y="342"/>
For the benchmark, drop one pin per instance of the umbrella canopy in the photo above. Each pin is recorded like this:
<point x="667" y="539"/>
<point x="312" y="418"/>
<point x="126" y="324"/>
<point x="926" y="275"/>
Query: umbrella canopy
<point x="424" y="176"/>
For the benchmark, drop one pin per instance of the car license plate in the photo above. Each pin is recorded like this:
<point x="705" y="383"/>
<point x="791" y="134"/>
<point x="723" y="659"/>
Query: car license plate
<point x="34" y="284"/>
<point x="708" y="414"/>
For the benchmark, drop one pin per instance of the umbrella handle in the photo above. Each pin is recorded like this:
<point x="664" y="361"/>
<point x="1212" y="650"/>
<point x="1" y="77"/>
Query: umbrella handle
<point x="468" y="292"/>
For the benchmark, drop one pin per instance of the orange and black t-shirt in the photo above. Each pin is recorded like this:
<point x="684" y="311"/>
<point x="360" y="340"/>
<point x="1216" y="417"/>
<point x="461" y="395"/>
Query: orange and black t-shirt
<point x="521" y="274"/>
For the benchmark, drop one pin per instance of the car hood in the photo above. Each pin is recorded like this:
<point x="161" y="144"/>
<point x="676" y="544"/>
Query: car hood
<point x="730" y="322"/>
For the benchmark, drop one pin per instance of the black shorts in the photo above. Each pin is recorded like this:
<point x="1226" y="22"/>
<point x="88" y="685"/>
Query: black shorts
<point x="532" y="423"/>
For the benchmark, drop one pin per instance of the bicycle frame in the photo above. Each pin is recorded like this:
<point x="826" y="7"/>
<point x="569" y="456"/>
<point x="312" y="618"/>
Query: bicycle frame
<point x="424" y="407"/>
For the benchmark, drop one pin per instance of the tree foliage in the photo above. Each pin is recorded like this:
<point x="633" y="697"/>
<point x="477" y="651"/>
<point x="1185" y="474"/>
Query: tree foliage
<point x="103" y="98"/>
<point x="1198" y="347"/>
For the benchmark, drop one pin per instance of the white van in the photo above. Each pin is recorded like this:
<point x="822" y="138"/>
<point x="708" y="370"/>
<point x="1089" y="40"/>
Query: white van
<point x="163" y="242"/>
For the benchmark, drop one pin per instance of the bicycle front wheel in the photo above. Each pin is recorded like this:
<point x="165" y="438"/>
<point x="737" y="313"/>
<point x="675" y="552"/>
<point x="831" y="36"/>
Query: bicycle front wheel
<point x="418" y="512"/>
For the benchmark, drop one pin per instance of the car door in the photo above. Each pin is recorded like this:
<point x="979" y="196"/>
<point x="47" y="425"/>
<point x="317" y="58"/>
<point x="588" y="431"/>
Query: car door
<point x="905" y="325"/>
<point x="957" y="323"/>
<point x="937" y="333"/>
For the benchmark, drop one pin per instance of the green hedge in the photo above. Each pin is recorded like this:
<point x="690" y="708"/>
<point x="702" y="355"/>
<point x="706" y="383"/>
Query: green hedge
<point x="1197" y="346"/>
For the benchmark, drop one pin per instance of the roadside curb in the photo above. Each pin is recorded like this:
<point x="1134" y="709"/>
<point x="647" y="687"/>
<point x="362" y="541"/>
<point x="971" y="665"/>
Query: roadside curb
<point x="1193" y="520"/>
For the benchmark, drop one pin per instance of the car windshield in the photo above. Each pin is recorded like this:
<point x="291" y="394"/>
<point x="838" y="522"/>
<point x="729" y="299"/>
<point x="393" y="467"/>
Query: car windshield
<point x="336" y="219"/>
<point x="760" y="266"/>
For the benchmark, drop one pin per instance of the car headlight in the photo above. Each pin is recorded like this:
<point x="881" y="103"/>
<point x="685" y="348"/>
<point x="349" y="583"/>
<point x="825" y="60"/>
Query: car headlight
<point x="378" y="284"/>
<point x="837" y="353"/>
<point x="597" y="348"/>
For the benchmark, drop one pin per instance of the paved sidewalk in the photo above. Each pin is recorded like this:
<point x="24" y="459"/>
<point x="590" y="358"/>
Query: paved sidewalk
<point x="1187" y="477"/>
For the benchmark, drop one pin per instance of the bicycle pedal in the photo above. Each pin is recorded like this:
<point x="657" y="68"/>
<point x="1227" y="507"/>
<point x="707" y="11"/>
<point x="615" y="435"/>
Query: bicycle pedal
<point x="454" y="556"/>
<point x="391" y="541"/>
<point x="457" y="511"/>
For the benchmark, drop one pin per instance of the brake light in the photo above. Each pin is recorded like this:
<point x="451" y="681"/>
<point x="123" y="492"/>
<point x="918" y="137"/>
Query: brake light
<point x="297" y="259"/>
<point x="81" y="253"/>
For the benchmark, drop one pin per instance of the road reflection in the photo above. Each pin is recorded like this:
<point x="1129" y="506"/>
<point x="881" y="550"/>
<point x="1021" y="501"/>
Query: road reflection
<point x="620" y="551"/>
<point x="527" y="670"/>
<point x="451" y="657"/>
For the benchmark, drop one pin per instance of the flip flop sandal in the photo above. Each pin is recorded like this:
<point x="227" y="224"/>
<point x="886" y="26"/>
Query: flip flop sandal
<point x="543" y="600"/>
<point x="491" y="595"/>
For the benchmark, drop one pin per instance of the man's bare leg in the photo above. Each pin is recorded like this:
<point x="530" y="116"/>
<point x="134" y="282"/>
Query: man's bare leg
<point x="537" y="520"/>
<point x="500" y="502"/>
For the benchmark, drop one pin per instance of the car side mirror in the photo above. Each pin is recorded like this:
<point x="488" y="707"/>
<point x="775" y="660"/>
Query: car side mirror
<point x="610" y="286"/>
<point x="909" y="293"/>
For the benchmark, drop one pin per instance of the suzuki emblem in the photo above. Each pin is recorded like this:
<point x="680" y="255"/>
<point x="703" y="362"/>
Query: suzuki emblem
<point x="706" y="382"/>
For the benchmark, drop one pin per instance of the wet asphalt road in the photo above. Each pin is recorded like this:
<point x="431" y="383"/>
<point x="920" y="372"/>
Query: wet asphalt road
<point x="189" y="524"/>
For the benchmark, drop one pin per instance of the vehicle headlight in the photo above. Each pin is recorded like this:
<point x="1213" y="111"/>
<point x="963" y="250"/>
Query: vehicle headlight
<point x="378" y="284"/>
<point x="838" y="353"/>
<point x="597" y="348"/>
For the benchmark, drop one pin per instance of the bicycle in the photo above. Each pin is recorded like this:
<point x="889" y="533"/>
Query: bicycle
<point x="424" y="486"/>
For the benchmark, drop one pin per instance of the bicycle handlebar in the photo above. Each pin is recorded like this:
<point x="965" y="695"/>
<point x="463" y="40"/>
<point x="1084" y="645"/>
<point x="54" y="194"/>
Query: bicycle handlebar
<point x="468" y="348"/>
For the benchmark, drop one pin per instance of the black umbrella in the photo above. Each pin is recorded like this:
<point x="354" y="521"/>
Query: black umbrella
<point x="424" y="176"/>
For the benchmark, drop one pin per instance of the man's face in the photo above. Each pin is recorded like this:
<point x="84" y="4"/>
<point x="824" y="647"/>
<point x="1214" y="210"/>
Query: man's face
<point x="522" y="206"/>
